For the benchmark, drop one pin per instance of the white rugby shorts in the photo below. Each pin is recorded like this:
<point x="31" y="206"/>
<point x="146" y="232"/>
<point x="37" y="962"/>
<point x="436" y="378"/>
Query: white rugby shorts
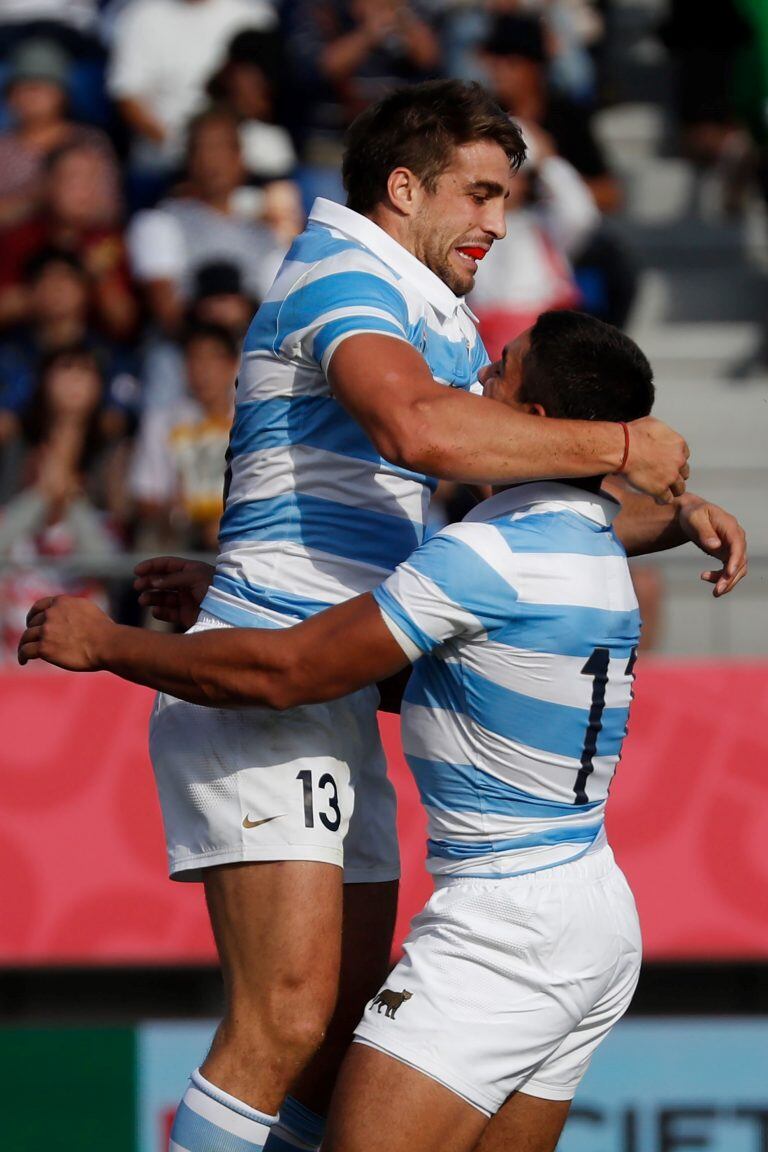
<point x="509" y="985"/>
<point x="239" y="784"/>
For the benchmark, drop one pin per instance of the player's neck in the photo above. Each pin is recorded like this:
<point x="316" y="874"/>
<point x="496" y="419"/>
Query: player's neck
<point x="395" y="226"/>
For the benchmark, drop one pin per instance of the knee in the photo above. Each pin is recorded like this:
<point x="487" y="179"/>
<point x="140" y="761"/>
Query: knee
<point x="287" y="1017"/>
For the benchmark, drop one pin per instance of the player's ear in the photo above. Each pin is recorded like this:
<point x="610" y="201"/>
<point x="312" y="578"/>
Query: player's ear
<point x="404" y="190"/>
<point x="536" y="409"/>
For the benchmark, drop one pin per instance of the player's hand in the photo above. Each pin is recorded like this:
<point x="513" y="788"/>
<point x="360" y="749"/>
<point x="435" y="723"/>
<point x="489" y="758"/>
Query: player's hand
<point x="174" y="588"/>
<point x="66" y="631"/>
<point x="719" y="534"/>
<point x="658" y="459"/>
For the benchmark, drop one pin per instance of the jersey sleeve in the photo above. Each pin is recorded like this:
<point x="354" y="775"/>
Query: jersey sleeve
<point x="447" y="589"/>
<point x="326" y="310"/>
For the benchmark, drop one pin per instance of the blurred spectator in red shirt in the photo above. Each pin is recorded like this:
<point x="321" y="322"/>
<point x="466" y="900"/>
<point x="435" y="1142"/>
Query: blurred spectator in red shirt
<point x="176" y="476"/>
<point x="36" y="96"/>
<point x="80" y="212"/>
<point x="209" y="221"/>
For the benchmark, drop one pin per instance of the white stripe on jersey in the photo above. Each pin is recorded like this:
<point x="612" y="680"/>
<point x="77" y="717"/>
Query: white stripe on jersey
<point x="555" y="577"/>
<point x="543" y="675"/>
<point x="328" y="476"/>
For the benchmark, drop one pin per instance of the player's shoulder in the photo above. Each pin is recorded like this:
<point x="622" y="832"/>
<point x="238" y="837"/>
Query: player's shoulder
<point x="467" y="546"/>
<point x="325" y="252"/>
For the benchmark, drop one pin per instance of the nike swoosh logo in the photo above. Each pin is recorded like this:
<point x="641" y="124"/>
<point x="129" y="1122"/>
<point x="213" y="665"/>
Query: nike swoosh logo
<point x="248" y="823"/>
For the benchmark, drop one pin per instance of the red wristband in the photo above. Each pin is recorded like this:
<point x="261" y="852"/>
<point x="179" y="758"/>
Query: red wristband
<point x="624" y="458"/>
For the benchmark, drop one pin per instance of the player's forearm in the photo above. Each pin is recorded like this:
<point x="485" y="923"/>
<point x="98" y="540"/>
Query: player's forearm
<point x="462" y="437"/>
<point x="642" y="525"/>
<point x="220" y="668"/>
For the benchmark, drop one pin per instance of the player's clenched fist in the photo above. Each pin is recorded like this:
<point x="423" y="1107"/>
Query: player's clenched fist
<point x="657" y="459"/>
<point x="66" y="631"/>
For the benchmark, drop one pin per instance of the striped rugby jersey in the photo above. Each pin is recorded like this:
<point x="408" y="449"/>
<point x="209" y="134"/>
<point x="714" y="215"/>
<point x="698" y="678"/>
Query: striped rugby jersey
<point x="313" y="514"/>
<point x="514" y="715"/>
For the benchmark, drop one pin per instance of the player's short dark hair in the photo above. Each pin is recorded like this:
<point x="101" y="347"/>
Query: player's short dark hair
<point x="418" y="128"/>
<point x="199" y="330"/>
<point x="579" y="368"/>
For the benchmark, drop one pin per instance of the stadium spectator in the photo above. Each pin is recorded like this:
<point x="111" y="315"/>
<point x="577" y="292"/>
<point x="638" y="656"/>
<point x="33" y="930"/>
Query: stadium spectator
<point x="346" y="54"/>
<point x="248" y="84"/>
<point x="219" y="299"/>
<point x="71" y="477"/>
<point x="164" y="52"/>
<point x="550" y="216"/>
<point x="170" y="243"/>
<point x="72" y="23"/>
<point x="516" y="55"/>
<point x="36" y="94"/>
<point x="176" y="475"/>
<point x="59" y="296"/>
<point x="80" y="212"/>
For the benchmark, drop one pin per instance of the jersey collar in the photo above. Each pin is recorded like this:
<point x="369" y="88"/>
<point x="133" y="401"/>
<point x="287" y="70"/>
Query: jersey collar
<point x="399" y="259"/>
<point x="547" y="496"/>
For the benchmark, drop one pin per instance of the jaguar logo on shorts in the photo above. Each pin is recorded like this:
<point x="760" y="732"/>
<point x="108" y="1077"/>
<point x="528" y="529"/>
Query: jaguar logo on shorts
<point x="390" y="1000"/>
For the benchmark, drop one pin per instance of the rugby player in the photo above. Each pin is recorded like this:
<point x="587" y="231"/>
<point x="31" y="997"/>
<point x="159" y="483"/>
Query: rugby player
<point x="343" y="417"/>
<point x="513" y="721"/>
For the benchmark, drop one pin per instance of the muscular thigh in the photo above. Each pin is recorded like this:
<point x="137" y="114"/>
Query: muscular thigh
<point x="525" y="1124"/>
<point x="276" y="924"/>
<point x="383" y="1105"/>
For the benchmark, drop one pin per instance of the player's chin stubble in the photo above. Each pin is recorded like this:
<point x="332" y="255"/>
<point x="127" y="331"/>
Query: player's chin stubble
<point x="442" y="267"/>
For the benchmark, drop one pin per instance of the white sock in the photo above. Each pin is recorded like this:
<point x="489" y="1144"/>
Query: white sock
<point x="210" y="1120"/>
<point x="297" y="1127"/>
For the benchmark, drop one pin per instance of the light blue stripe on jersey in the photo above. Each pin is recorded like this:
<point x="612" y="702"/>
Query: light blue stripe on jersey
<point x="457" y="850"/>
<point x="392" y="608"/>
<point x="560" y="629"/>
<point x="277" y="320"/>
<point x="194" y="1133"/>
<point x="553" y="728"/>
<point x="566" y="630"/>
<point x="273" y="598"/>
<point x="338" y="529"/>
<point x="315" y="421"/>
<point x="466" y="788"/>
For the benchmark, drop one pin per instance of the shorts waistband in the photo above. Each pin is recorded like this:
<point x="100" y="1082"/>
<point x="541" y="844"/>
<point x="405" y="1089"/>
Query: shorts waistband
<point x="592" y="865"/>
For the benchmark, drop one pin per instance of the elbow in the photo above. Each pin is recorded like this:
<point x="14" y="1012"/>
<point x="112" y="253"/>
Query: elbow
<point x="410" y="442"/>
<point x="293" y="683"/>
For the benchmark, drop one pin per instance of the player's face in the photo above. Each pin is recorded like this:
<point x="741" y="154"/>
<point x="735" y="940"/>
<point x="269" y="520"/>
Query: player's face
<point x="456" y="224"/>
<point x="503" y="379"/>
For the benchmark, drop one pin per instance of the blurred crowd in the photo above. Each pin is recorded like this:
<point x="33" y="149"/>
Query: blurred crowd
<point x="158" y="156"/>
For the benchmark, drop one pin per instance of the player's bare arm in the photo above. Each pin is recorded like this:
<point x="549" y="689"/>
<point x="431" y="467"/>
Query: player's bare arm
<point x="451" y="434"/>
<point x="222" y="667"/>
<point x="644" y="527"/>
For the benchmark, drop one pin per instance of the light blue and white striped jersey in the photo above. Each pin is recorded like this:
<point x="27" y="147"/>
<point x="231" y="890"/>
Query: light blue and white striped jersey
<point x="513" y="719"/>
<point x="313" y="514"/>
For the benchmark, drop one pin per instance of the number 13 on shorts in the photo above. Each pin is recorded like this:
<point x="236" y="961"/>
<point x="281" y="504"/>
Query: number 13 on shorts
<point x="321" y="800"/>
